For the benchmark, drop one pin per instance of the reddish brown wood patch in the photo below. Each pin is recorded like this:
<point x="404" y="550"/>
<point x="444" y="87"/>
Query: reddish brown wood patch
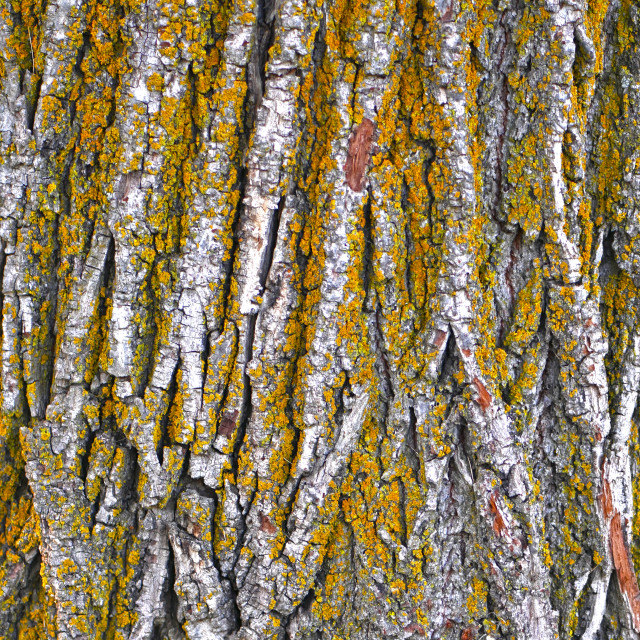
<point x="499" y="525"/>
<point x="228" y="424"/>
<point x="414" y="627"/>
<point x="266" y="524"/>
<point x="468" y="634"/>
<point x="624" y="569"/>
<point x="358" y="154"/>
<point x="440" y="337"/>
<point x="621" y="556"/>
<point x="606" y="498"/>
<point x="484" y="398"/>
<point x="448" y="14"/>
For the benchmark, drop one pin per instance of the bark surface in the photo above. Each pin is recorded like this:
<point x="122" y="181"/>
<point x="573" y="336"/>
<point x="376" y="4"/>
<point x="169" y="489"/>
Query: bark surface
<point x="319" y="320"/>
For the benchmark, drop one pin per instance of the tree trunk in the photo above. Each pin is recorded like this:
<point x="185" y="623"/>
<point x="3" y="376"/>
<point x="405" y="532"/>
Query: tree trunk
<point x="320" y="319"/>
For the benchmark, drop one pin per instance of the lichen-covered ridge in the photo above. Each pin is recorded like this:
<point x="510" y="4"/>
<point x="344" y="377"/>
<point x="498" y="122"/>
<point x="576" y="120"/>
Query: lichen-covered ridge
<point x="246" y="395"/>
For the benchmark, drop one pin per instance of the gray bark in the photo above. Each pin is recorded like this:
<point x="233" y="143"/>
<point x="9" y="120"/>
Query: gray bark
<point x="319" y="319"/>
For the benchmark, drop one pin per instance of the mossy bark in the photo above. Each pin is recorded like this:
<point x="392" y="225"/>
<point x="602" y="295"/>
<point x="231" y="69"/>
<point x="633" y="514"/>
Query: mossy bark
<point x="319" y="320"/>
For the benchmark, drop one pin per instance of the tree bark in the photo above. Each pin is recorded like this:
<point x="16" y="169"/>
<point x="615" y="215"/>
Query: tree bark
<point x="320" y="319"/>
